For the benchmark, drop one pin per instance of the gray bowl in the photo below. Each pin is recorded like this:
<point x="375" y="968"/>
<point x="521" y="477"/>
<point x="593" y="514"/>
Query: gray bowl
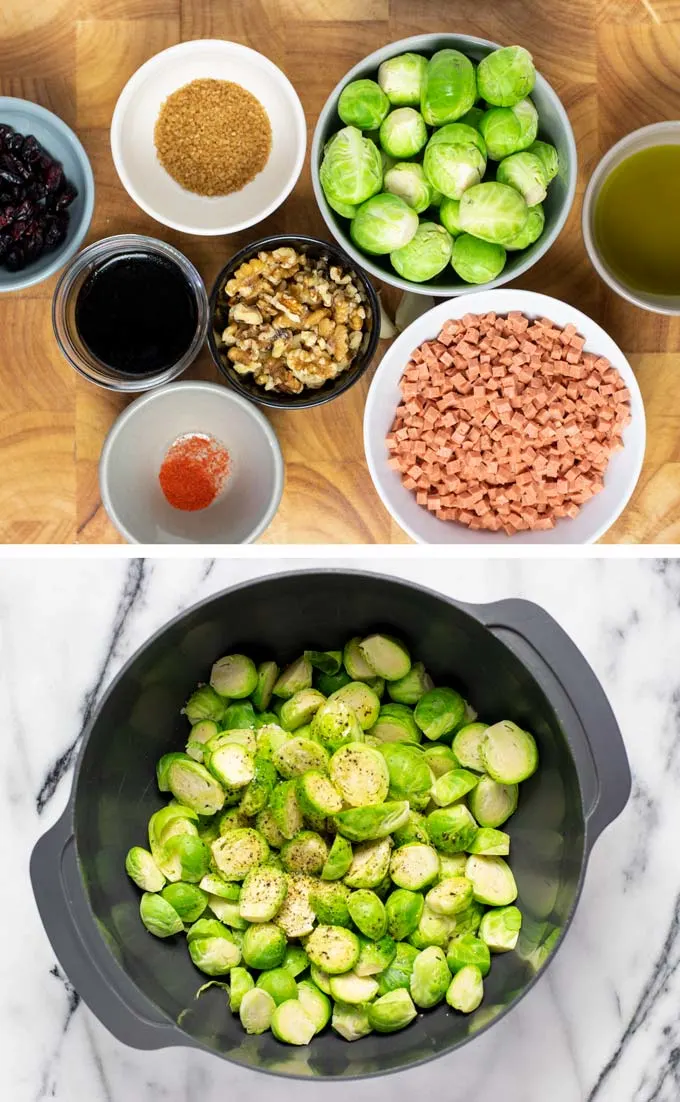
<point x="62" y="144"/>
<point x="554" y="127"/>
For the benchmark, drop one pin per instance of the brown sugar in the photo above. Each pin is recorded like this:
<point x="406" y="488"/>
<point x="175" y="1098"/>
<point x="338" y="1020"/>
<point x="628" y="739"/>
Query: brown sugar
<point x="213" y="136"/>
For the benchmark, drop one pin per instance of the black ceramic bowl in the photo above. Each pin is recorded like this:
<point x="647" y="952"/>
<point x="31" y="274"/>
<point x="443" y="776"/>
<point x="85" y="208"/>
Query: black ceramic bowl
<point x="245" y="384"/>
<point x="510" y="659"/>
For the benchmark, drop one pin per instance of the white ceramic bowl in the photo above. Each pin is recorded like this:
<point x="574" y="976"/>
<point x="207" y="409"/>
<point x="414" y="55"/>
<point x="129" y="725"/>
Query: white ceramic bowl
<point x="137" y="443"/>
<point x="595" y="517"/>
<point x="659" y="133"/>
<point x="134" y="152"/>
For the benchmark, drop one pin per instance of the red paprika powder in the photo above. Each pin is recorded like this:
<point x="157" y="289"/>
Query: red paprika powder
<point x="193" y="471"/>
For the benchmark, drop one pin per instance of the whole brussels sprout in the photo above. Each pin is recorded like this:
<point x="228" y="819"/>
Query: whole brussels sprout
<point x="477" y="261"/>
<point x="403" y="909"/>
<point x="453" y="165"/>
<point x="472" y="117"/>
<point x="351" y="170"/>
<point x="363" y="103"/>
<point x="525" y="172"/>
<point x="426" y="254"/>
<point x="449" y="88"/>
<point x="238" y="716"/>
<point x="403" y="133"/>
<point x="430" y="977"/>
<point x="392" y="1011"/>
<point x="531" y="230"/>
<point x="439" y="711"/>
<point x="407" y="180"/>
<point x="548" y="156"/>
<point x="398" y="972"/>
<point x="494" y="212"/>
<point x="509" y="130"/>
<point x="383" y="224"/>
<point x="401" y="79"/>
<point x="506" y="76"/>
<point x="449" y="217"/>
<point x="159" y="916"/>
<point x="467" y="949"/>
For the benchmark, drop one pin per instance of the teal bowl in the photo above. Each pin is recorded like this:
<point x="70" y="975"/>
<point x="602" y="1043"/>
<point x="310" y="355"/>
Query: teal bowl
<point x="62" y="144"/>
<point x="554" y="127"/>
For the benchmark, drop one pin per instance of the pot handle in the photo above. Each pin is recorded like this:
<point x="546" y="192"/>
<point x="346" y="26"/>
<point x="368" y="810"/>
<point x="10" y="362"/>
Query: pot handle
<point x="93" y="970"/>
<point x="595" y="740"/>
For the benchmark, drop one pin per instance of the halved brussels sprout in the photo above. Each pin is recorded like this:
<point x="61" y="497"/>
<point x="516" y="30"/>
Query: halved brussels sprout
<point x="295" y="915"/>
<point x="367" y="912"/>
<point x="353" y="989"/>
<point x="430" y="977"/>
<point x="234" y="676"/>
<point x="192" y="785"/>
<point x="267" y="673"/>
<point x="403" y="910"/>
<point x="264" y="890"/>
<point x="269" y="739"/>
<point x="467" y="744"/>
<point x="440" y="759"/>
<point x="451" y="865"/>
<point x="490" y="843"/>
<point x="285" y="810"/>
<point x="449" y="88"/>
<point x="212" y="947"/>
<point x="468" y="921"/>
<point x="509" y="754"/>
<point x="290" y="1023"/>
<point x="392" y="1011"/>
<point x="438" y="712"/>
<point x="295" y="960"/>
<point x="363" y="824"/>
<point x="370" y="864"/>
<point x="328" y="900"/>
<point x="477" y="261"/>
<point x="188" y="900"/>
<point x="492" y="880"/>
<point x="296" y="677"/>
<point x="401" y="79"/>
<point x="403" y="133"/>
<point x="315" y="1003"/>
<point x="396" y="724"/>
<point x="335" y="724"/>
<point x="506" y="76"/>
<point x="264" y="945"/>
<point x="452" y="786"/>
<point x="387" y="656"/>
<point x="382" y="224"/>
<point x="500" y="928"/>
<point x="183" y="857"/>
<point x="306" y="853"/>
<point x="298" y="755"/>
<point x="363" y="701"/>
<point x="351" y="171"/>
<point x="468" y="949"/>
<point x="363" y="103"/>
<point x="466" y="989"/>
<point x="375" y="956"/>
<point x="240" y="981"/>
<point x="227" y="911"/>
<point x="451" y="829"/>
<point x="413" y="830"/>
<point x="256" y="1010"/>
<point x="492" y="803"/>
<point x="199" y="734"/>
<point x="257" y="794"/>
<point x="159" y="916"/>
<point x="360" y="774"/>
<point x="143" y="870"/>
<point x="163" y="767"/>
<point x="279" y="983"/>
<point x="333" y="949"/>
<point x="356" y="665"/>
<point x="238" y="852"/>
<point x="339" y="859"/>
<point x="450" y="896"/>
<point x="414" y="866"/>
<point x="213" y="884"/>
<point x="409" y="688"/>
<point x="238" y="717"/>
<point x="351" y="1022"/>
<point x="433" y="929"/>
<point x="329" y="683"/>
<point x="398" y="972"/>
<point x="230" y="763"/>
<point x="204" y="703"/>
<point x="300" y="708"/>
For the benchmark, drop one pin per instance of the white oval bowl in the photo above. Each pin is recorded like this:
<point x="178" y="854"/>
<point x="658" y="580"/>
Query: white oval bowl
<point x="594" y="518"/>
<point x="134" y="152"/>
<point x="136" y="445"/>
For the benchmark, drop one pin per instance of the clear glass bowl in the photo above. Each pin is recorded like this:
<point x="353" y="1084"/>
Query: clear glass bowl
<point x="64" y="312"/>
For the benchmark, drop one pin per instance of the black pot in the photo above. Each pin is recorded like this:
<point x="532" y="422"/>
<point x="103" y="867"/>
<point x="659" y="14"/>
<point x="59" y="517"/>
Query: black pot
<point x="511" y="659"/>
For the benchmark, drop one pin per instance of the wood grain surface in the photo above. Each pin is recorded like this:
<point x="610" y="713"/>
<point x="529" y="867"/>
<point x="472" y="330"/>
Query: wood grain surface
<point x="614" y="63"/>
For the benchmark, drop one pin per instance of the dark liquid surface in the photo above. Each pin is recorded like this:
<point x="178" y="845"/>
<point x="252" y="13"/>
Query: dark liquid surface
<point x="136" y="313"/>
<point x="637" y="220"/>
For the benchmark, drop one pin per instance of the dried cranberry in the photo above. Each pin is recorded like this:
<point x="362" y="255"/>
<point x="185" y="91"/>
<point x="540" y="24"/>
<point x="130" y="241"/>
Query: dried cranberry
<point x="26" y="209"/>
<point x="52" y="233"/>
<point x="15" y="259"/>
<point x="8" y="172"/>
<point x="34" y="246"/>
<point x="7" y="213"/>
<point x="18" y="230"/>
<point x="65" y="197"/>
<point x="54" y="177"/>
<point x="45" y="161"/>
<point x="36" y="190"/>
<point x="6" y="131"/>
<point x="14" y="143"/>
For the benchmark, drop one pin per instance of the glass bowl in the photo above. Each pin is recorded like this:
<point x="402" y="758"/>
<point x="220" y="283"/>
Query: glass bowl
<point x="64" y="312"/>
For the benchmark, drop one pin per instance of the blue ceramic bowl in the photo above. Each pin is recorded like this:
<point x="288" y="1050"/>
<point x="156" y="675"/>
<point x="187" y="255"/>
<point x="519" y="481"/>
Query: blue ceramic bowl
<point x="62" y="144"/>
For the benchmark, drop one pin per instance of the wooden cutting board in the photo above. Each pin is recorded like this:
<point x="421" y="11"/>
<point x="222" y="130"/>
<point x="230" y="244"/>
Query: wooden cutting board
<point x="614" y="63"/>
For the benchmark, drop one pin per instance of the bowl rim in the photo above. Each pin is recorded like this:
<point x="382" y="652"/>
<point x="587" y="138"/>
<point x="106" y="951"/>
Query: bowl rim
<point x="58" y="258"/>
<point x="222" y="393"/>
<point x="317" y="397"/>
<point x="226" y="47"/>
<point x="535" y="303"/>
<point x="600" y="174"/>
<point x="426" y="42"/>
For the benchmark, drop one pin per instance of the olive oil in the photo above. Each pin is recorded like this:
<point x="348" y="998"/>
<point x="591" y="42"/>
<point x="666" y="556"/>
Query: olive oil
<point x="637" y="220"/>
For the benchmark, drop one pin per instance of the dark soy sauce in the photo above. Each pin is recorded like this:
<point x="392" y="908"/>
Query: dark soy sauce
<point x="136" y="313"/>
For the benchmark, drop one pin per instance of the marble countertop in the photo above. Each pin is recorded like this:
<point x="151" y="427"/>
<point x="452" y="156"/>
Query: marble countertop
<point x="601" y="1026"/>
